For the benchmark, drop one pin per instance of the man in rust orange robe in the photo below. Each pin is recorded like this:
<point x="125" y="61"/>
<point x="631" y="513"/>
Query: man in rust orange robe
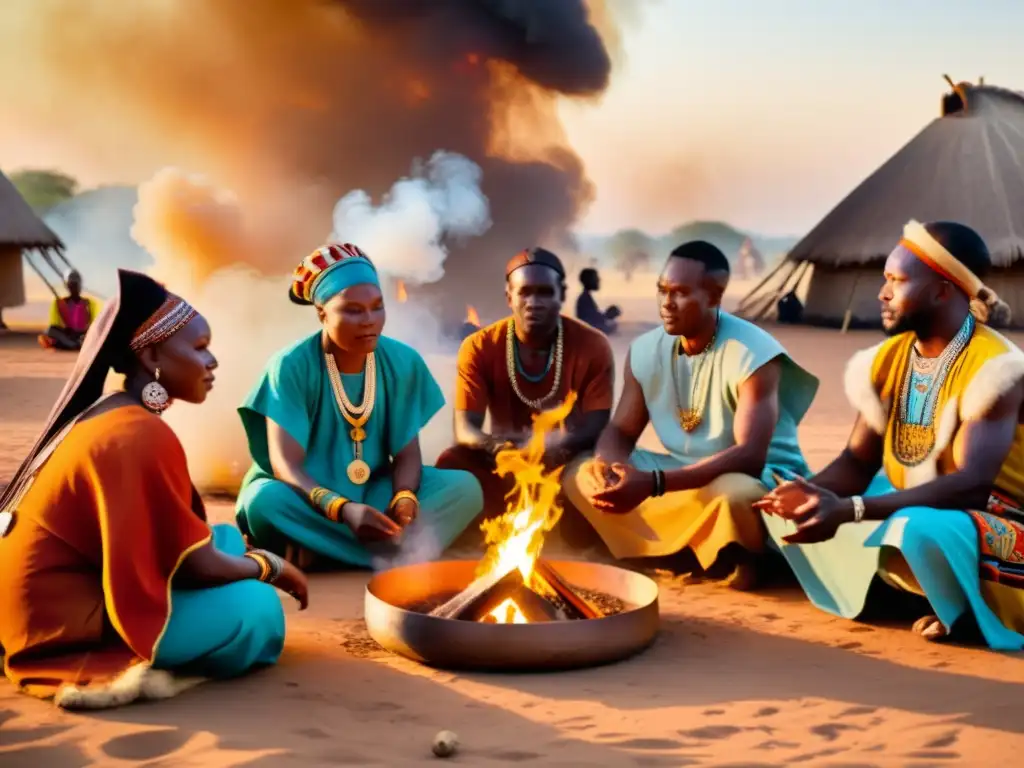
<point x="525" y="364"/>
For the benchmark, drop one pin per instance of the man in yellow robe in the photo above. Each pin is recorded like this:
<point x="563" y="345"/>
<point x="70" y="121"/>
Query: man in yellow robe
<point x="939" y="412"/>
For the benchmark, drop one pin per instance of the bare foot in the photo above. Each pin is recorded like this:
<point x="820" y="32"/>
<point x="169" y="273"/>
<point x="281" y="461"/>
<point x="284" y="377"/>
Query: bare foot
<point x="744" y="577"/>
<point x="930" y="628"/>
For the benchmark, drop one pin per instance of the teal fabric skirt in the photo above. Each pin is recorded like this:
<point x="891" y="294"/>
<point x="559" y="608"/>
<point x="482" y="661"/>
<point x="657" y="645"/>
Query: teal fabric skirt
<point x="273" y="514"/>
<point x="932" y="552"/>
<point x="223" y="631"/>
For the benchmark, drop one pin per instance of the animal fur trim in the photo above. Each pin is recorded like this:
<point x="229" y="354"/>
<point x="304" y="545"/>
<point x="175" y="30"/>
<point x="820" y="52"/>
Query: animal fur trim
<point x="994" y="379"/>
<point x="860" y="389"/>
<point x="945" y="429"/>
<point x="139" y="682"/>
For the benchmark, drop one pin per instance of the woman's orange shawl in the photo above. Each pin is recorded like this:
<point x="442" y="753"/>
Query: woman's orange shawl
<point x="86" y="566"/>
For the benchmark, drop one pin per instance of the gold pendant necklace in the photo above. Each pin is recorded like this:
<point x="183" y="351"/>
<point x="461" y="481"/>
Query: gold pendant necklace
<point x="692" y="416"/>
<point x="358" y="470"/>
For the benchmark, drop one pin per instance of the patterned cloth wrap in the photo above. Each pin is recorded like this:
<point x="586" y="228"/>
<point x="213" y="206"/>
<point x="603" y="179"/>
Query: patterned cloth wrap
<point x="1001" y="541"/>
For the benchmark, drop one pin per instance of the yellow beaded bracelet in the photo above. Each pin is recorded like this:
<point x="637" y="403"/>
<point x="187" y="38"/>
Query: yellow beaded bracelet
<point x="333" y="510"/>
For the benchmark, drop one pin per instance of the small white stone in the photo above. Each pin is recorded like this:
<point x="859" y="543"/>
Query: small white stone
<point x="445" y="744"/>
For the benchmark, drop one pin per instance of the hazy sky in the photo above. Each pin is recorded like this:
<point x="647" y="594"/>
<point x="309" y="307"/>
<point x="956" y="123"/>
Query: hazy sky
<point x="764" y="113"/>
<point x="767" y="112"/>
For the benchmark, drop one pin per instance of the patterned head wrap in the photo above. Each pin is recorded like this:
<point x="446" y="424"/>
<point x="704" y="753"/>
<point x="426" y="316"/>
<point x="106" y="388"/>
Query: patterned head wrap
<point x="328" y="271"/>
<point x="173" y="315"/>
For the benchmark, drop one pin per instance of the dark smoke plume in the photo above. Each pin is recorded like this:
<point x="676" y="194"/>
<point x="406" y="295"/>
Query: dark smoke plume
<point x="292" y="103"/>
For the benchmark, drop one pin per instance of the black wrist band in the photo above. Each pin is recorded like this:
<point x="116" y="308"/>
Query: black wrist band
<point x="659" y="482"/>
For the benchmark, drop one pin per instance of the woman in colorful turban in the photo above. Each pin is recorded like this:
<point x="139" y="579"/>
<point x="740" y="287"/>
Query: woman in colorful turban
<point x="333" y="428"/>
<point x="112" y="579"/>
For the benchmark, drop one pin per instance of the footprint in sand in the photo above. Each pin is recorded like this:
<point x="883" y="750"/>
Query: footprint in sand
<point x="145" y="746"/>
<point x="50" y="757"/>
<point x="709" y="732"/>
<point x="831" y="731"/>
<point x="766" y="712"/>
<point x="11" y="736"/>
<point x="7" y="714"/>
<point x="947" y="740"/>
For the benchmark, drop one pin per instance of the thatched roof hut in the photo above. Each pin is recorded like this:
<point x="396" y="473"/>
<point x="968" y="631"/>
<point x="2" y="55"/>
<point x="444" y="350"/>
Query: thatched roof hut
<point x="21" y="230"/>
<point x="967" y="165"/>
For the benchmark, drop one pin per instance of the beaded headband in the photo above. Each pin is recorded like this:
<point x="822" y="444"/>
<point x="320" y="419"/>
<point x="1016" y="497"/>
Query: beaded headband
<point x="173" y="315"/>
<point x="317" y="264"/>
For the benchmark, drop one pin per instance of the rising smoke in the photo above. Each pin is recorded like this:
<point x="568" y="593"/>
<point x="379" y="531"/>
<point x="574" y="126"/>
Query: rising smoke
<point x="195" y="230"/>
<point x="284" y="107"/>
<point x="292" y="103"/>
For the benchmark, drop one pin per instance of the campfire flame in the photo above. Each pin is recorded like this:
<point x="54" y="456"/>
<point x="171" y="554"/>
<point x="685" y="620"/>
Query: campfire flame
<point x="471" y="316"/>
<point x="515" y="539"/>
<point x="401" y="295"/>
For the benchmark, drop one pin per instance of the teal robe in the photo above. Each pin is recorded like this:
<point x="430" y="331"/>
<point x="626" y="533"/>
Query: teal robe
<point x="295" y="392"/>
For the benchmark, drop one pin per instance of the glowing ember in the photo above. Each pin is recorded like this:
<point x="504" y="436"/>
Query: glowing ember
<point x="507" y="612"/>
<point x="515" y="539"/>
<point x="401" y="295"/>
<point x="471" y="316"/>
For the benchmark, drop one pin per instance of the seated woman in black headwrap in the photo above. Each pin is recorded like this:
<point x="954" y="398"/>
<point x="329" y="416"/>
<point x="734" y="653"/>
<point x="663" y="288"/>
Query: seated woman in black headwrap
<point x="112" y="578"/>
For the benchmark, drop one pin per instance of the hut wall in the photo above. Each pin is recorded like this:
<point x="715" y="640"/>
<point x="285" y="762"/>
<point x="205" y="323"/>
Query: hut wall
<point x="830" y="291"/>
<point x="12" y="278"/>
<point x="830" y="288"/>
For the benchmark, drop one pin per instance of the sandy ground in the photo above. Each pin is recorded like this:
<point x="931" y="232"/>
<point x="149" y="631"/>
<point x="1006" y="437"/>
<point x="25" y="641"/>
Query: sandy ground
<point x="733" y="679"/>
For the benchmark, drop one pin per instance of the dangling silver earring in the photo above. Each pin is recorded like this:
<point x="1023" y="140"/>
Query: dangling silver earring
<point x="155" y="396"/>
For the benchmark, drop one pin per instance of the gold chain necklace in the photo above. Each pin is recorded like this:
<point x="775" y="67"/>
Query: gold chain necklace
<point x="691" y="417"/>
<point x="510" y="363"/>
<point x="358" y="470"/>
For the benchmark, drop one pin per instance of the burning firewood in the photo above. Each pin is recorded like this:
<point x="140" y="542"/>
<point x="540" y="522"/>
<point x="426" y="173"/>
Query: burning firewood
<point x="548" y="597"/>
<point x="544" y="573"/>
<point x="476" y="593"/>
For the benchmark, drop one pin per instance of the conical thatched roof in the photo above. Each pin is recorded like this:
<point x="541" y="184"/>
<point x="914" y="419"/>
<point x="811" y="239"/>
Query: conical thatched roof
<point x="19" y="225"/>
<point x="967" y="166"/>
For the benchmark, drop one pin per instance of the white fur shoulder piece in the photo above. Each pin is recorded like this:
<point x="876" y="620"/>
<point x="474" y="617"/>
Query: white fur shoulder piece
<point x="860" y="390"/>
<point x="137" y="683"/>
<point x="993" y="380"/>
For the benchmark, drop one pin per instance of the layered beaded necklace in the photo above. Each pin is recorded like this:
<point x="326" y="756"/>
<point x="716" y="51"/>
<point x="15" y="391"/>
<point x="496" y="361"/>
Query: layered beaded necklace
<point x="913" y="437"/>
<point x="356" y="415"/>
<point x="513" y="366"/>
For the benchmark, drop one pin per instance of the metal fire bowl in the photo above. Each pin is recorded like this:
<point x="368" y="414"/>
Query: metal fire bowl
<point x="456" y="644"/>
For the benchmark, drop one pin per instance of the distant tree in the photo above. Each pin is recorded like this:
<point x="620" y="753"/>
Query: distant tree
<point x="630" y="250"/>
<point x="724" y="236"/>
<point x="44" y="189"/>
